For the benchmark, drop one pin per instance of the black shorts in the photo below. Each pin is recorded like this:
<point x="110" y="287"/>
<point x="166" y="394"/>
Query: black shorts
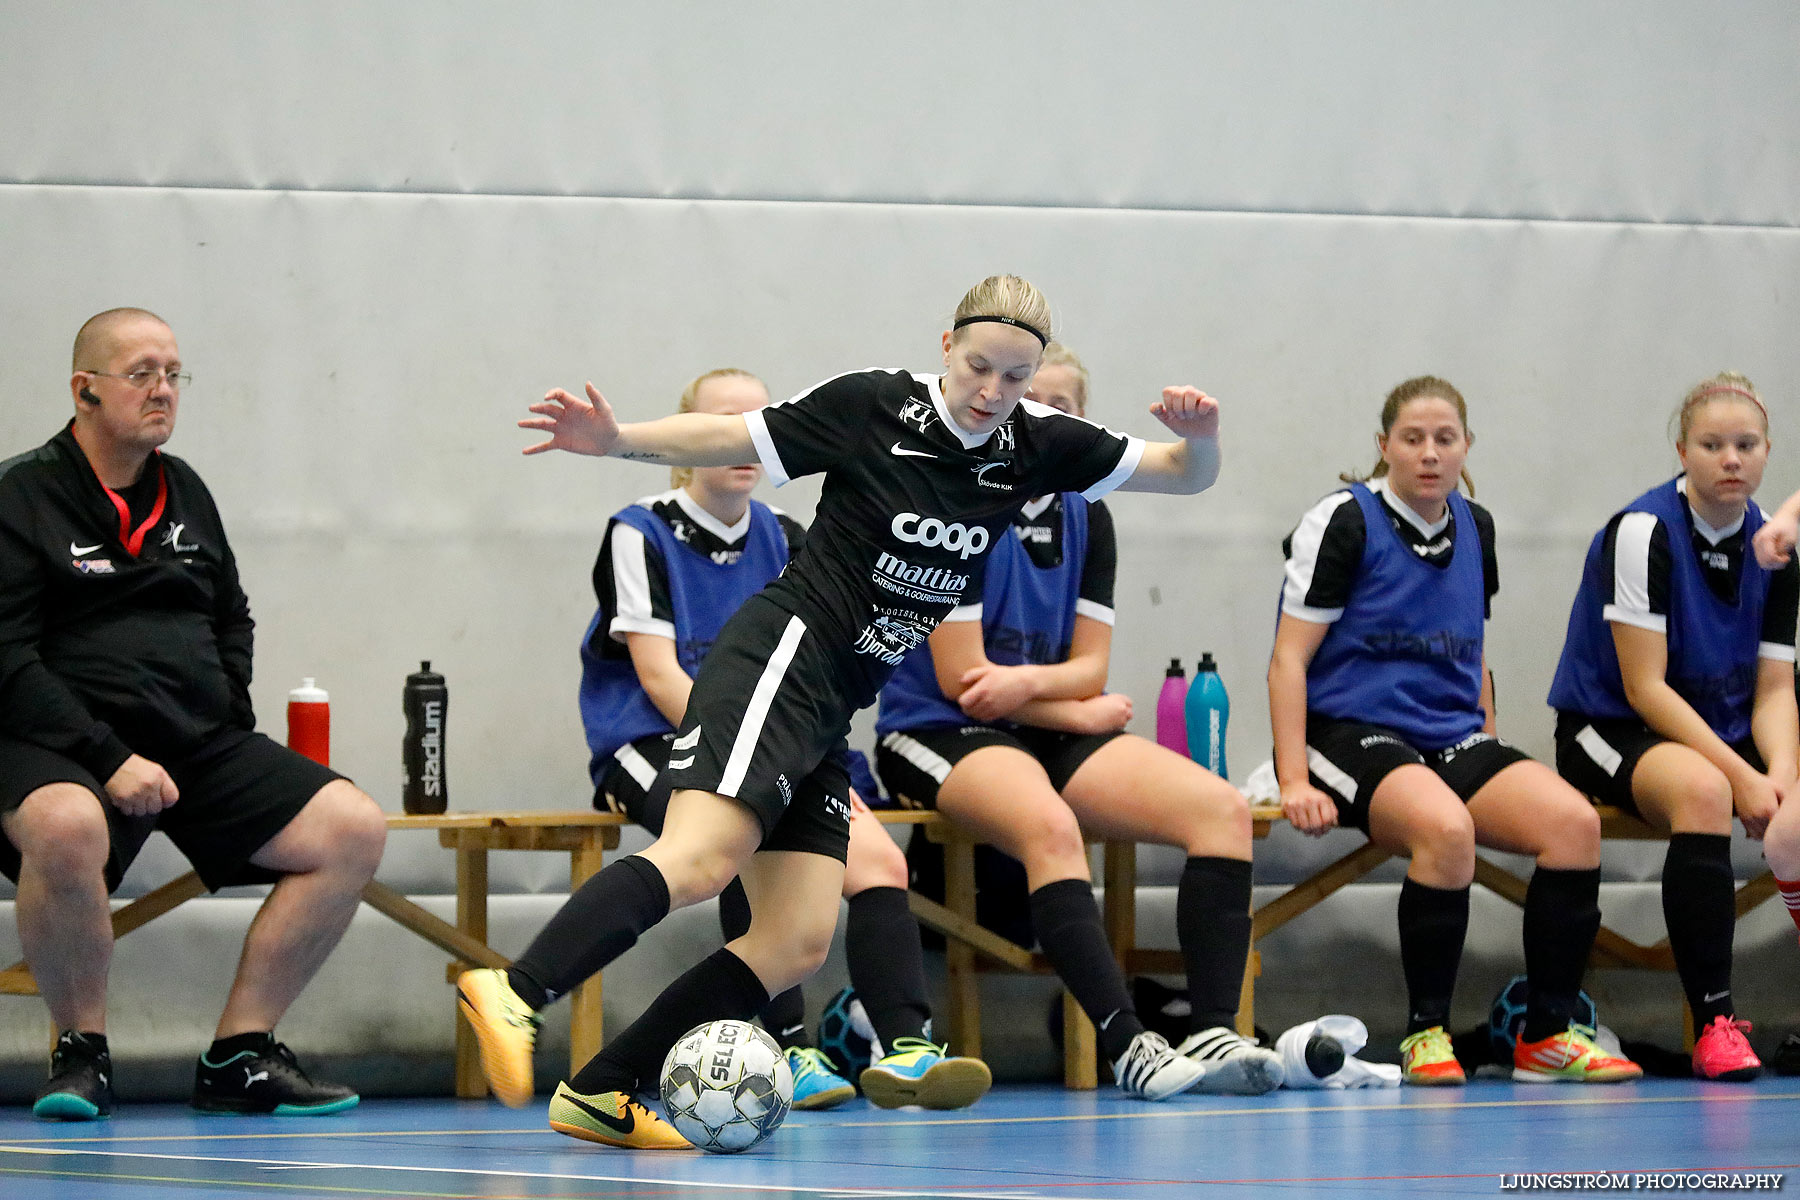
<point x="633" y="783"/>
<point x="1598" y="754"/>
<point x="766" y="725"/>
<point x="237" y="791"/>
<point x="1347" y="760"/>
<point x="915" y="763"/>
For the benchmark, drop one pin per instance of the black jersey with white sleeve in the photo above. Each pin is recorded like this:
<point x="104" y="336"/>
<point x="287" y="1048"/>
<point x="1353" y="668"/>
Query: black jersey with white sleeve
<point x="911" y="503"/>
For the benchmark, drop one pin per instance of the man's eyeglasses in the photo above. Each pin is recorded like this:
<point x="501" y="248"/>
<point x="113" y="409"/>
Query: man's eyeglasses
<point x="148" y="377"/>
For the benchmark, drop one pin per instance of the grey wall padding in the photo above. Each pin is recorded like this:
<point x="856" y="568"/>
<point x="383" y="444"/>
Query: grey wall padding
<point x="380" y="230"/>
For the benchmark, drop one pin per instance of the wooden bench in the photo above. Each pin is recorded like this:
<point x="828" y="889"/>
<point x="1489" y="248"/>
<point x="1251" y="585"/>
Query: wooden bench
<point x="971" y="950"/>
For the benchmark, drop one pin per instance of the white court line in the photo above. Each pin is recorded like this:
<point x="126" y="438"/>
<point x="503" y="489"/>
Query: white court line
<point x="660" y="1181"/>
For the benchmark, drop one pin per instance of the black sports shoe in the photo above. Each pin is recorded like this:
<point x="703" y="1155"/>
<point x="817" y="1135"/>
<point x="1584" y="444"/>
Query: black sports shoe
<point x="80" y="1083"/>
<point x="265" y="1080"/>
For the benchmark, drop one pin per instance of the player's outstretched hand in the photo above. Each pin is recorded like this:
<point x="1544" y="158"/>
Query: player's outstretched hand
<point x="576" y="425"/>
<point x="1774" y="542"/>
<point x="1188" y="412"/>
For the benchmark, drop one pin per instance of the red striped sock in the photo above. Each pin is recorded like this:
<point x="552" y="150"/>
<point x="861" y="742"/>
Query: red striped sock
<point x="1790" y="895"/>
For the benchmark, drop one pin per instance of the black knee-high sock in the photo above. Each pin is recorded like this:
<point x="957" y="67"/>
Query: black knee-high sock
<point x="1562" y="914"/>
<point x="887" y="966"/>
<point x="1069" y="929"/>
<point x="785" y="1015"/>
<point x="1212" y="923"/>
<point x="722" y="986"/>
<point x="1698" y="905"/>
<point x="601" y="921"/>
<point x="1433" y="922"/>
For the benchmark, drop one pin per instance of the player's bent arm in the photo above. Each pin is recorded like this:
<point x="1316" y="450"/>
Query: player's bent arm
<point x="1176" y="468"/>
<point x="1096" y="714"/>
<point x="1775" y="720"/>
<point x="659" y="673"/>
<point x="1189" y="465"/>
<point x="1296" y="641"/>
<point x="1643" y="667"/>
<point x="988" y="691"/>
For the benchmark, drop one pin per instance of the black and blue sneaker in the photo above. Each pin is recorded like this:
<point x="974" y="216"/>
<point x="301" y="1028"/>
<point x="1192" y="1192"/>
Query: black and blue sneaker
<point x="265" y="1079"/>
<point x="80" y="1083"/>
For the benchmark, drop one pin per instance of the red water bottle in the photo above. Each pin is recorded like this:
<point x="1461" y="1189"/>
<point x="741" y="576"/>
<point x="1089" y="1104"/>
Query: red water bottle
<point x="1171" y="710"/>
<point x="309" y="722"/>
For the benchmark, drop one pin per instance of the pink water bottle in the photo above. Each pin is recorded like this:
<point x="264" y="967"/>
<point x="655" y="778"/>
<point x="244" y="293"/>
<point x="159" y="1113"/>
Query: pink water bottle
<point x="1171" y="710"/>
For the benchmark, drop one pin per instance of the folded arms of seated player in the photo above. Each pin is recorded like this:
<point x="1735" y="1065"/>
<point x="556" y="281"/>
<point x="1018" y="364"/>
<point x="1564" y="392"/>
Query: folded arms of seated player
<point x="1064" y="696"/>
<point x="1643" y="666"/>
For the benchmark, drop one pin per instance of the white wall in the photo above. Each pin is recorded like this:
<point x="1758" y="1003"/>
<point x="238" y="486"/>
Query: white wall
<point x="380" y="229"/>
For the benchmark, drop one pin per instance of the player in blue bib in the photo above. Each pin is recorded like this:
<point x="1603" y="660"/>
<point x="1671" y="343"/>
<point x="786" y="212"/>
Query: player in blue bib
<point x="921" y="474"/>
<point x="1675" y="692"/>
<point x="672" y="569"/>
<point x="1001" y="722"/>
<point x="1382" y="710"/>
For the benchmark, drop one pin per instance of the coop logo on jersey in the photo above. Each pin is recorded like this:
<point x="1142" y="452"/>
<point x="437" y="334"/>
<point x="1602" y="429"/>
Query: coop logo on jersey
<point x="965" y="540"/>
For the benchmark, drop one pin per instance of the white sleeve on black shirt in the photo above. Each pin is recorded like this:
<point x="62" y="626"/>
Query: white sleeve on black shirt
<point x="1080" y="455"/>
<point x="1322" y="555"/>
<point x="814" y="430"/>
<point x="640" y="586"/>
<point x="1640" y="565"/>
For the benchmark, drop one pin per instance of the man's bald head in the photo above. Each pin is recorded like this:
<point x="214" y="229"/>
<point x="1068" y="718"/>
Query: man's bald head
<point x="97" y="340"/>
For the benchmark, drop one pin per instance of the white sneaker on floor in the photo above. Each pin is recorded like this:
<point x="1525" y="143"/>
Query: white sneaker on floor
<point x="1151" y="1070"/>
<point x="1234" y="1065"/>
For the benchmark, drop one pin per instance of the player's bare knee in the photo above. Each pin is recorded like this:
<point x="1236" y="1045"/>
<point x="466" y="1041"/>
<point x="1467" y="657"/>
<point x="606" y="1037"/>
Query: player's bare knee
<point x="1220" y="826"/>
<point x="1443" y="845"/>
<point x="60" y="830"/>
<point x="359" y="827"/>
<point x="1054" y="836"/>
<point x="875" y="865"/>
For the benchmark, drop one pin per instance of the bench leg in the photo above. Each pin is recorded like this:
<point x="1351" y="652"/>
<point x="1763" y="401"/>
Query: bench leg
<point x="586" y="1034"/>
<point x="1079" y="1048"/>
<point x="471" y="918"/>
<point x="959" y="956"/>
<point x="1246" y="1018"/>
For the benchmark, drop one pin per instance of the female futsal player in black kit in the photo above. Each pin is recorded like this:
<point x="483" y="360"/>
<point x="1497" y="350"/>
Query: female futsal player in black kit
<point x="922" y="474"/>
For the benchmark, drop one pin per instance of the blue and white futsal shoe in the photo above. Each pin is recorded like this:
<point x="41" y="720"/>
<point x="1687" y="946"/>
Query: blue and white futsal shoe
<point x="816" y="1081"/>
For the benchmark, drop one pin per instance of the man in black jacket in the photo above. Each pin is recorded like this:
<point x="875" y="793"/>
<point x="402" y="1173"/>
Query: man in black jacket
<point x="125" y="646"/>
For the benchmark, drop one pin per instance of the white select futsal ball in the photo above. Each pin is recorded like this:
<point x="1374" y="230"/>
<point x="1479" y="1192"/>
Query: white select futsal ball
<point x="726" y="1086"/>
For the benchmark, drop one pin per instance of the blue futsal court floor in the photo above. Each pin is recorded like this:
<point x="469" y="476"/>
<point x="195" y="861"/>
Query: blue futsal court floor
<point x="1020" y="1141"/>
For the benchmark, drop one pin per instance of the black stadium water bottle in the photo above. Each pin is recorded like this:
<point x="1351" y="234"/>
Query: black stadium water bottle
<point x="425" y="701"/>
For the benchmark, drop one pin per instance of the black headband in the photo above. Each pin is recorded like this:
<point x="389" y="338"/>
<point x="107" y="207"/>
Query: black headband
<point x="1014" y="322"/>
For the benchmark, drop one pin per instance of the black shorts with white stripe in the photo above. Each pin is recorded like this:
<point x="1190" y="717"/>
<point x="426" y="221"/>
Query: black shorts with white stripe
<point x="914" y="764"/>
<point x="1347" y="760"/>
<point x="1598" y="755"/>
<point x="633" y="782"/>
<point x="766" y="725"/>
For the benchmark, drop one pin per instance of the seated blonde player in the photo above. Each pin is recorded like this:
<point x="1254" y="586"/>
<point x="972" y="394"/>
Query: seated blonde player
<point x="1000" y="723"/>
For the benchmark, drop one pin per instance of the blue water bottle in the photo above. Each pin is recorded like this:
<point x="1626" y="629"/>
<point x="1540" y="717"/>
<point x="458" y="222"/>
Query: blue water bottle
<point x="1208" y="709"/>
